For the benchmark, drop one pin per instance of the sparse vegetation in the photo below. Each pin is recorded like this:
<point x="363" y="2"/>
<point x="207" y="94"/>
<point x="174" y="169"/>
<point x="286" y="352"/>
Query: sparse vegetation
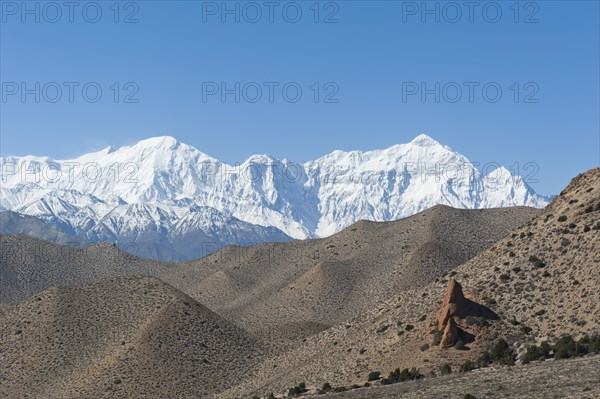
<point x="467" y="366"/>
<point x="383" y="328"/>
<point x="566" y="347"/>
<point x="526" y="329"/>
<point x="297" y="390"/>
<point x="401" y="376"/>
<point x="445" y="369"/>
<point x="326" y="388"/>
<point x="489" y="301"/>
<point x="502" y="353"/>
<point x="536" y="353"/>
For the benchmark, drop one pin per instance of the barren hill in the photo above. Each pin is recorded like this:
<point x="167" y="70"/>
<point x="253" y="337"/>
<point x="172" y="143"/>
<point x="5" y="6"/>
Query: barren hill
<point x="315" y="284"/>
<point x="120" y="338"/>
<point x="284" y="291"/>
<point x="29" y="265"/>
<point x="541" y="281"/>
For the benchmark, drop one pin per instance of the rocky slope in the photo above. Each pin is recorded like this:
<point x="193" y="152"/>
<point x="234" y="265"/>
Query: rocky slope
<point x="541" y="281"/>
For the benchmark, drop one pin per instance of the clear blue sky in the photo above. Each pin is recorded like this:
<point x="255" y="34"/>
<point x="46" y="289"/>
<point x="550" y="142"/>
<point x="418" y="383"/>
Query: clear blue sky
<point x="370" y="53"/>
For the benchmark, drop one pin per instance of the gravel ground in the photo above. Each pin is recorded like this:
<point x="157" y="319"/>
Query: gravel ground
<point x="573" y="378"/>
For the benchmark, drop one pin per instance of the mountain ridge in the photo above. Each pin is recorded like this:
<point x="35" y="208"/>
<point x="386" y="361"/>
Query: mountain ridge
<point x="310" y="200"/>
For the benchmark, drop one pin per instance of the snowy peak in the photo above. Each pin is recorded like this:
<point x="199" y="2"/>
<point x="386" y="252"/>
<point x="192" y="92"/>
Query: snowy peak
<point x="166" y="142"/>
<point x="161" y="185"/>
<point x="424" y="140"/>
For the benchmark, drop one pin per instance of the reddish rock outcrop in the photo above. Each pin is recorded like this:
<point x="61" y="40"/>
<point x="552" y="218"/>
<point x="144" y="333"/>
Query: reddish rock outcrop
<point x="450" y="336"/>
<point x="453" y="304"/>
<point x="454" y="308"/>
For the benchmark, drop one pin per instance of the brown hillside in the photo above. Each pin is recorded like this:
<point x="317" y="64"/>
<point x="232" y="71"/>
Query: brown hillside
<point x="283" y="291"/>
<point x="534" y="301"/>
<point x="120" y="338"/>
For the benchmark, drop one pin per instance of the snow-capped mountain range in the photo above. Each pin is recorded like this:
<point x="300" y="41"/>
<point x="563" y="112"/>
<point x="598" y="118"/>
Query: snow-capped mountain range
<point x="170" y="198"/>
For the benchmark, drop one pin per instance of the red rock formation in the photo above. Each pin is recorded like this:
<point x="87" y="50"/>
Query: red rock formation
<point x="454" y="307"/>
<point x="450" y="336"/>
<point x="454" y="301"/>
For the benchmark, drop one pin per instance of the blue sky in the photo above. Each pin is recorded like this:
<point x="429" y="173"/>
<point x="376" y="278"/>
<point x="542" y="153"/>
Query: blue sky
<point x="372" y="62"/>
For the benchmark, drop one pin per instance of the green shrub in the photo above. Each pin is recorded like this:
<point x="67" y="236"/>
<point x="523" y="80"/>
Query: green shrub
<point x="484" y="359"/>
<point x="460" y="345"/>
<point x="502" y="353"/>
<point x="489" y="301"/>
<point x="565" y="348"/>
<point x="467" y="366"/>
<point x="535" y="353"/>
<point x="340" y="389"/>
<point x="424" y="347"/>
<point x="401" y="376"/>
<point x="526" y="329"/>
<point x="562" y="218"/>
<point x="326" y="387"/>
<point x="445" y="369"/>
<point x="297" y="390"/>
<point x="469" y="396"/>
<point x="409" y="327"/>
<point x="595" y="344"/>
<point x="374" y="376"/>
